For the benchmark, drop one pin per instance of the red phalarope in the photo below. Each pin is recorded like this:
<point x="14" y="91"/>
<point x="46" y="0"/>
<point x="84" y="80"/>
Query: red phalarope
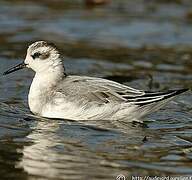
<point x="53" y="94"/>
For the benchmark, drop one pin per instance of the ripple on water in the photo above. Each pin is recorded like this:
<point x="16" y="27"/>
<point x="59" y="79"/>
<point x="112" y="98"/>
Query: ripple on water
<point x="144" y="44"/>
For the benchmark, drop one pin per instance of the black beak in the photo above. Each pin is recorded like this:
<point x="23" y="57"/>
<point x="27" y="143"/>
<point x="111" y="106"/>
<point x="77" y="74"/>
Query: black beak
<point x="15" y="68"/>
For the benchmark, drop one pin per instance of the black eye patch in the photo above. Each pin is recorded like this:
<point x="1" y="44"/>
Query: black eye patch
<point x="36" y="55"/>
<point x="39" y="55"/>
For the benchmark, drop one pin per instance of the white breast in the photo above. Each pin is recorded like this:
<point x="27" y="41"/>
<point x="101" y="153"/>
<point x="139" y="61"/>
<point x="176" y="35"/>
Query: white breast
<point x="36" y="97"/>
<point x="40" y="91"/>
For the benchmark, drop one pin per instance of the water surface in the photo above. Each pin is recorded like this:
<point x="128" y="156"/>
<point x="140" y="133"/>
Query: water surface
<point x="144" y="44"/>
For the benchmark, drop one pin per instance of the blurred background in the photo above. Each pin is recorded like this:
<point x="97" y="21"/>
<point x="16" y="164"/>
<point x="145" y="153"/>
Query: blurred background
<point x="146" y="44"/>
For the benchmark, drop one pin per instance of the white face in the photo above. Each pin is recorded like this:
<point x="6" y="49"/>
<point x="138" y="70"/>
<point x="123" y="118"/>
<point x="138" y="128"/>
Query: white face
<point x="42" y="56"/>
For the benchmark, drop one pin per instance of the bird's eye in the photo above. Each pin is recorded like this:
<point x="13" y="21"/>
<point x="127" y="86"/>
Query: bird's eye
<point x="36" y="55"/>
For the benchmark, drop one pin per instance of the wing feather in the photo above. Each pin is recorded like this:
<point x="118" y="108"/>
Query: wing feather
<point x="96" y="89"/>
<point x="89" y="89"/>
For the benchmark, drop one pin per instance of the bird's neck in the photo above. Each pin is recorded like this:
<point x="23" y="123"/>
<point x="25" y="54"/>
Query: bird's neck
<point x="49" y="78"/>
<point x="42" y="87"/>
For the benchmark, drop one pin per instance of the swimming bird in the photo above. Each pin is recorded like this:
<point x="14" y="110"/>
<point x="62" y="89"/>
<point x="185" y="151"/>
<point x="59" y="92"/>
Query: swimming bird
<point x="54" y="94"/>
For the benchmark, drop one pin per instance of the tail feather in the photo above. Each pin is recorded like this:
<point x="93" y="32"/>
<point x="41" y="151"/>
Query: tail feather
<point x="146" y="106"/>
<point x="150" y="97"/>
